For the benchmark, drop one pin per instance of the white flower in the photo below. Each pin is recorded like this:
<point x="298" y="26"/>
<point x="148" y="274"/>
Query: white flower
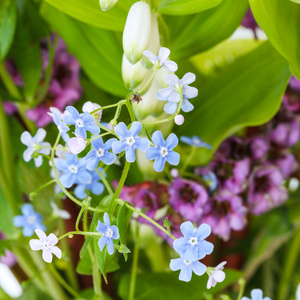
<point x="35" y="144"/>
<point x="216" y="275"/>
<point x="90" y="107"/>
<point x="46" y="244"/>
<point x="77" y="144"/>
<point x="161" y="60"/>
<point x="59" y="212"/>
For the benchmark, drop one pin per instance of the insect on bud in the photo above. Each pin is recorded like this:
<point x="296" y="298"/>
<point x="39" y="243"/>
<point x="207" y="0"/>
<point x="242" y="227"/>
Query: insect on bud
<point x="107" y="4"/>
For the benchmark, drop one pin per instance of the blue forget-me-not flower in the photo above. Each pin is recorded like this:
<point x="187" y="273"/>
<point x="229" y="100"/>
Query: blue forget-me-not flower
<point x="83" y="122"/>
<point x="30" y="220"/>
<point x="195" y="141"/>
<point x="100" y="152"/>
<point x="187" y="268"/>
<point x="256" y="294"/>
<point x="109" y="232"/>
<point x="129" y="140"/>
<point x="193" y="246"/>
<point x="178" y="88"/>
<point x="73" y="170"/>
<point x="163" y="151"/>
<point x="61" y="125"/>
<point x="35" y="144"/>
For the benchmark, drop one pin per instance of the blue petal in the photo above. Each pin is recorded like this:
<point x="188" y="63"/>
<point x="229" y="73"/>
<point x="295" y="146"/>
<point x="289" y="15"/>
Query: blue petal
<point x="84" y="177"/>
<point x="121" y="131"/>
<point x="159" y="164"/>
<point x="152" y="153"/>
<point x="142" y="144"/>
<point x="203" y="231"/>
<point x="256" y="294"/>
<point x="198" y="268"/>
<point x="187" y="140"/>
<point x="191" y="253"/>
<point x="180" y="245"/>
<point x="65" y="136"/>
<point x="28" y="230"/>
<point x="170" y="108"/>
<point x="98" y="143"/>
<point x="102" y="242"/>
<point x="185" y="274"/>
<point x="93" y="163"/>
<point x="108" y="158"/>
<point x="171" y="142"/>
<point x="110" y="247"/>
<point x="130" y="154"/>
<point x="176" y="264"/>
<point x="69" y="120"/>
<point x="107" y="145"/>
<point x="91" y="154"/>
<point x="187" y="229"/>
<point x="135" y="128"/>
<point x="20" y="221"/>
<point x="118" y="147"/>
<point x="158" y="138"/>
<point x="80" y="191"/>
<point x="173" y="158"/>
<point x="101" y="227"/>
<point x="97" y="188"/>
<point x="27" y="210"/>
<point x="115" y="230"/>
<point x="81" y="131"/>
<point x="106" y="219"/>
<point x="186" y="105"/>
<point x="61" y="164"/>
<point x="67" y="179"/>
<point x="206" y="247"/>
<point x="73" y="111"/>
<point x="87" y="118"/>
<point x="71" y="158"/>
<point x="94" y="129"/>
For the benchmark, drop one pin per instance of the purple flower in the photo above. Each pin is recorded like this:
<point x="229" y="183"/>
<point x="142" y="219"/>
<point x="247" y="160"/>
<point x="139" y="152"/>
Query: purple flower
<point x="163" y="151"/>
<point x="249" y="21"/>
<point x="266" y="189"/>
<point x="258" y="147"/>
<point x="74" y="171"/>
<point x="8" y="258"/>
<point x="286" y="162"/>
<point x="109" y="233"/>
<point x="30" y="220"/>
<point x="291" y="102"/>
<point x="100" y="152"/>
<point x="295" y="84"/>
<point x="188" y="198"/>
<point x="193" y="246"/>
<point x="129" y="140"/>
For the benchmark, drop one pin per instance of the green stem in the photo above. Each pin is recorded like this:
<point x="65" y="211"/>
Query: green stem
<point x="134" y="264"/>
<point x="242" y="288"/>
<point x="129" y="107"/>
<point x="122" y="181"/>
<point x="105" y="182"/>
<point x="108" y="106"/>
<point x="159" y="121"/>
<point x="80" y="233"/>
<point x="189" y="158"/>
<point x="44" y="186"/>
<point x="79" y="217"/>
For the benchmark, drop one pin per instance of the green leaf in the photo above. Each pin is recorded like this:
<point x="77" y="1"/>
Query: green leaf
<point x="123" y="219"/>
<point x="89" y="12"/>
<point x="246" y="93"/>
<point x="100" y="51"/>
<point x="189" y="35"/>
<point x="8" y="18"/>
<point x="161" y="286"/>
<point x="281" y="22"/>
<point x="186" y="7"/>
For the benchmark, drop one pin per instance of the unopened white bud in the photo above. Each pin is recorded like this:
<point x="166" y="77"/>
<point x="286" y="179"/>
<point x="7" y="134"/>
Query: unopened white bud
<point x="179" y="119"/>
<point x="77" y="144"/>
<point x="137" y="31"/>
<point x="90" y="107"/>
<point x="107" y="4"/>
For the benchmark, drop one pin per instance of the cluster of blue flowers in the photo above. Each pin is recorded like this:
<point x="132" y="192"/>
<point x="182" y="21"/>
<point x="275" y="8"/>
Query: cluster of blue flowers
<point x="191" y="247"/>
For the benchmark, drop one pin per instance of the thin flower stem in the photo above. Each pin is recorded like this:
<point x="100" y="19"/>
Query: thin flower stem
<point x="189" y="159"/>
<point x="134" y="263"/>
<point x="122" y="181"/>
<point x="122" y="202"/>
<point x="242" y="288"/>
<point x="79" y="217"/>
<point x="105" y="182"/>
<point x="45" y="185"/>
<point x="159" y="121"/>
<point x="121" y="102"/>
<point x="96" y="137"/>
<point x="129" y="107"/>
<point x="79" y="233"/>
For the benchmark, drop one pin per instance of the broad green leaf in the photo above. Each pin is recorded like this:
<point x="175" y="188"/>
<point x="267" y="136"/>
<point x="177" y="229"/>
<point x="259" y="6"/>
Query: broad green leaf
<point x="186" y="7"/>
<point x="161" y="286"/>
<point x="296" y="1"/>
<point x="246" y="93"/>
<point x="89" y="12"/>
<point x="190" y="35"/>
<point x="99" y="51"/>
<point x="8" y="18"/>
<point x="281" y="22"/>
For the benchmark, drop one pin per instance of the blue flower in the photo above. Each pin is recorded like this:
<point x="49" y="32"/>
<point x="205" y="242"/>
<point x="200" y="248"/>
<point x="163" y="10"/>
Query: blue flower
<point x="187" y="268"/>
<point x="211" y="180"/>
<point x="83" y="122"/>
<point x="192" y="246"/>
<point x="74" y="170"/>
<point x="129" y="140"/>
<point x="163" y="151"/>
<point x="109" y="233"/>
<point x="100" y="152"/>
<point x="195" y="141"/>
<point x="256" y="294"/>
<point x="35" y="144"/>
<point x="94" y="186"/>
<point x="178" y="88"/>
<point x="30" y="220"/>
<point x="61" y="125"/>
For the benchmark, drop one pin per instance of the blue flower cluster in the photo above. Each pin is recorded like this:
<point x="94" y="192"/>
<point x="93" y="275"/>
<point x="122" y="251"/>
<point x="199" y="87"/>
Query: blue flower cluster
<point x="191" y="247"/>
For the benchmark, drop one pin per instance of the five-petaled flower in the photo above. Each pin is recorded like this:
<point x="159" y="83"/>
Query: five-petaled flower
<point x="83" y="122"/>
<point x="46" y="244"/>
<point x="178" y="89"/>
<point x="163" y="151"/>
<point x="195" y="141"/>
<point x="58" y="121"/>
<point x="109" y="232"/>
<point x="256" y="294"/>
<point x="215" y="275"/>
<point x="193" y="246"/>
<point x="129" y="140"/>
<point x="162" y="59"/>
<point x="35" y="144"/>
<point x="30" y="220"/>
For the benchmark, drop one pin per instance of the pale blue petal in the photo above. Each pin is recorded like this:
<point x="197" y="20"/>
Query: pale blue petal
<point x="39" y="136"/>
<point x="190" y="92"/>
<point x="174" y="97"/>
<point x="135" y="128"/>
<point x="94" y="129"/>
<point x="180" y="245"/>
<point x="71" y="158"/>
<point x="130" y="154"/>
<point x="191" y="253"/>
<point x="170" y="65"/>
<point x="176" y="264"/>
<point x="115" y="230"/>
<point x="245" y="298"/>
<point x="73" y="111"/>
<point x="101" y="228"/>
<point x="142" y="144"/>
<point x="98" y="143"/>
<point x="159" y="164"/>
<point x="172" y="79"/>
<point x="108" y="158"/>
<point x="26" y="139"/>
<point x="170" y="108"/>
<point x="69" y="120"/>
<point x="19" y="221"/>
<point x="256" y="294"/>
<point x="38" y="161"/>
<point x="84" y="177"/>
<point x="203" y="231"/>
<point x="67" y="179"/>
<point x="186" y="105"/>
<point x="185" y="274"/>
<point x="110" y="247"/>
<point x="187" y="229"/>
<point x="102" y="242"/>
<point x="28" y="231"/>
<point x="27" y="210"/>
<point x="106" y="219"/>
<point x="107" y="145"/>
<point x="152" y="153"/>
<point x="121" y="130"/>
<point x="158" y="138"/>
<point x="118" y="147"/>
<point x="93" y="163"/>
<point x="87" y="118"/>
<point x="97" y="188"/>
<point x="79" y="191"/>
<point x="188" y="78"/>
<point x="187" y="140"/>
<point x="173" y="158"/>
<point x="27" y="155"/>
<point x="164" y="94"/>
<point x="81" y="131"/>
<point x="198" y="268"/>
<point x="206" y="247"/>
<point x="171" y="142"/>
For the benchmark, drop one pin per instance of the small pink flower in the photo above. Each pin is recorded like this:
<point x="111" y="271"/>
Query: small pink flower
<point x="77" y="144"/>
<point x="179" y="119"/>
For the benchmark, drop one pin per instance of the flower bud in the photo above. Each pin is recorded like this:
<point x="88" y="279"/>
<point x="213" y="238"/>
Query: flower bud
<point x="90" y="107"/>
<point x="133" y="75"/>
<point x="107" y="4"/>
<point x="137" y="31"/>
<point x="179" y="119"/>
<point x="154" y="42"/>
<point x="77" y="144"/>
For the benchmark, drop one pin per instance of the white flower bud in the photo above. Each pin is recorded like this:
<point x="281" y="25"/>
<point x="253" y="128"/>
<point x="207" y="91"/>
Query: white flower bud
<point x="154" y="42"/>
<point x="133" y="75"/>
<point x="179" y="119"/>
<point x="137" y="31"/>
<point x="107" y="4"/>
<point x="77" y="144"/>
<point x="90" y="107"/>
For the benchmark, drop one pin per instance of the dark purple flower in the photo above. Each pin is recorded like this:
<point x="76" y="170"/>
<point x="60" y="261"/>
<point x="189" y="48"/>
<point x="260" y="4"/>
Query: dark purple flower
<point x="258" y="147"/>
<point x="266" y="189"/>
<point x="286" y="162"/>
<point x="8" y="258"/>
<point x="249" y="21"/>
<point x="295" y="84"/>
<point x="187" y="198"/>
<point x="291" y="102"/>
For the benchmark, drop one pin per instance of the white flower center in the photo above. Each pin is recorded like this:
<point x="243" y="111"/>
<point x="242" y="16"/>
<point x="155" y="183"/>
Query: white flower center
<point x="196" y="141"/>
<point x="193" y="241"/>
<point x="109" y="233"/>
<point x="100" y="152"/>
<point x="73" y="169"/>
<point x="178" y="88"/>
<point x="187" y="262"/>
<point x="31" y="219"/>
<point x="79" y="123"/>
<point x="130" y="140"/>
<point x="46" y="245"/>
<point x="163" y="151"/>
